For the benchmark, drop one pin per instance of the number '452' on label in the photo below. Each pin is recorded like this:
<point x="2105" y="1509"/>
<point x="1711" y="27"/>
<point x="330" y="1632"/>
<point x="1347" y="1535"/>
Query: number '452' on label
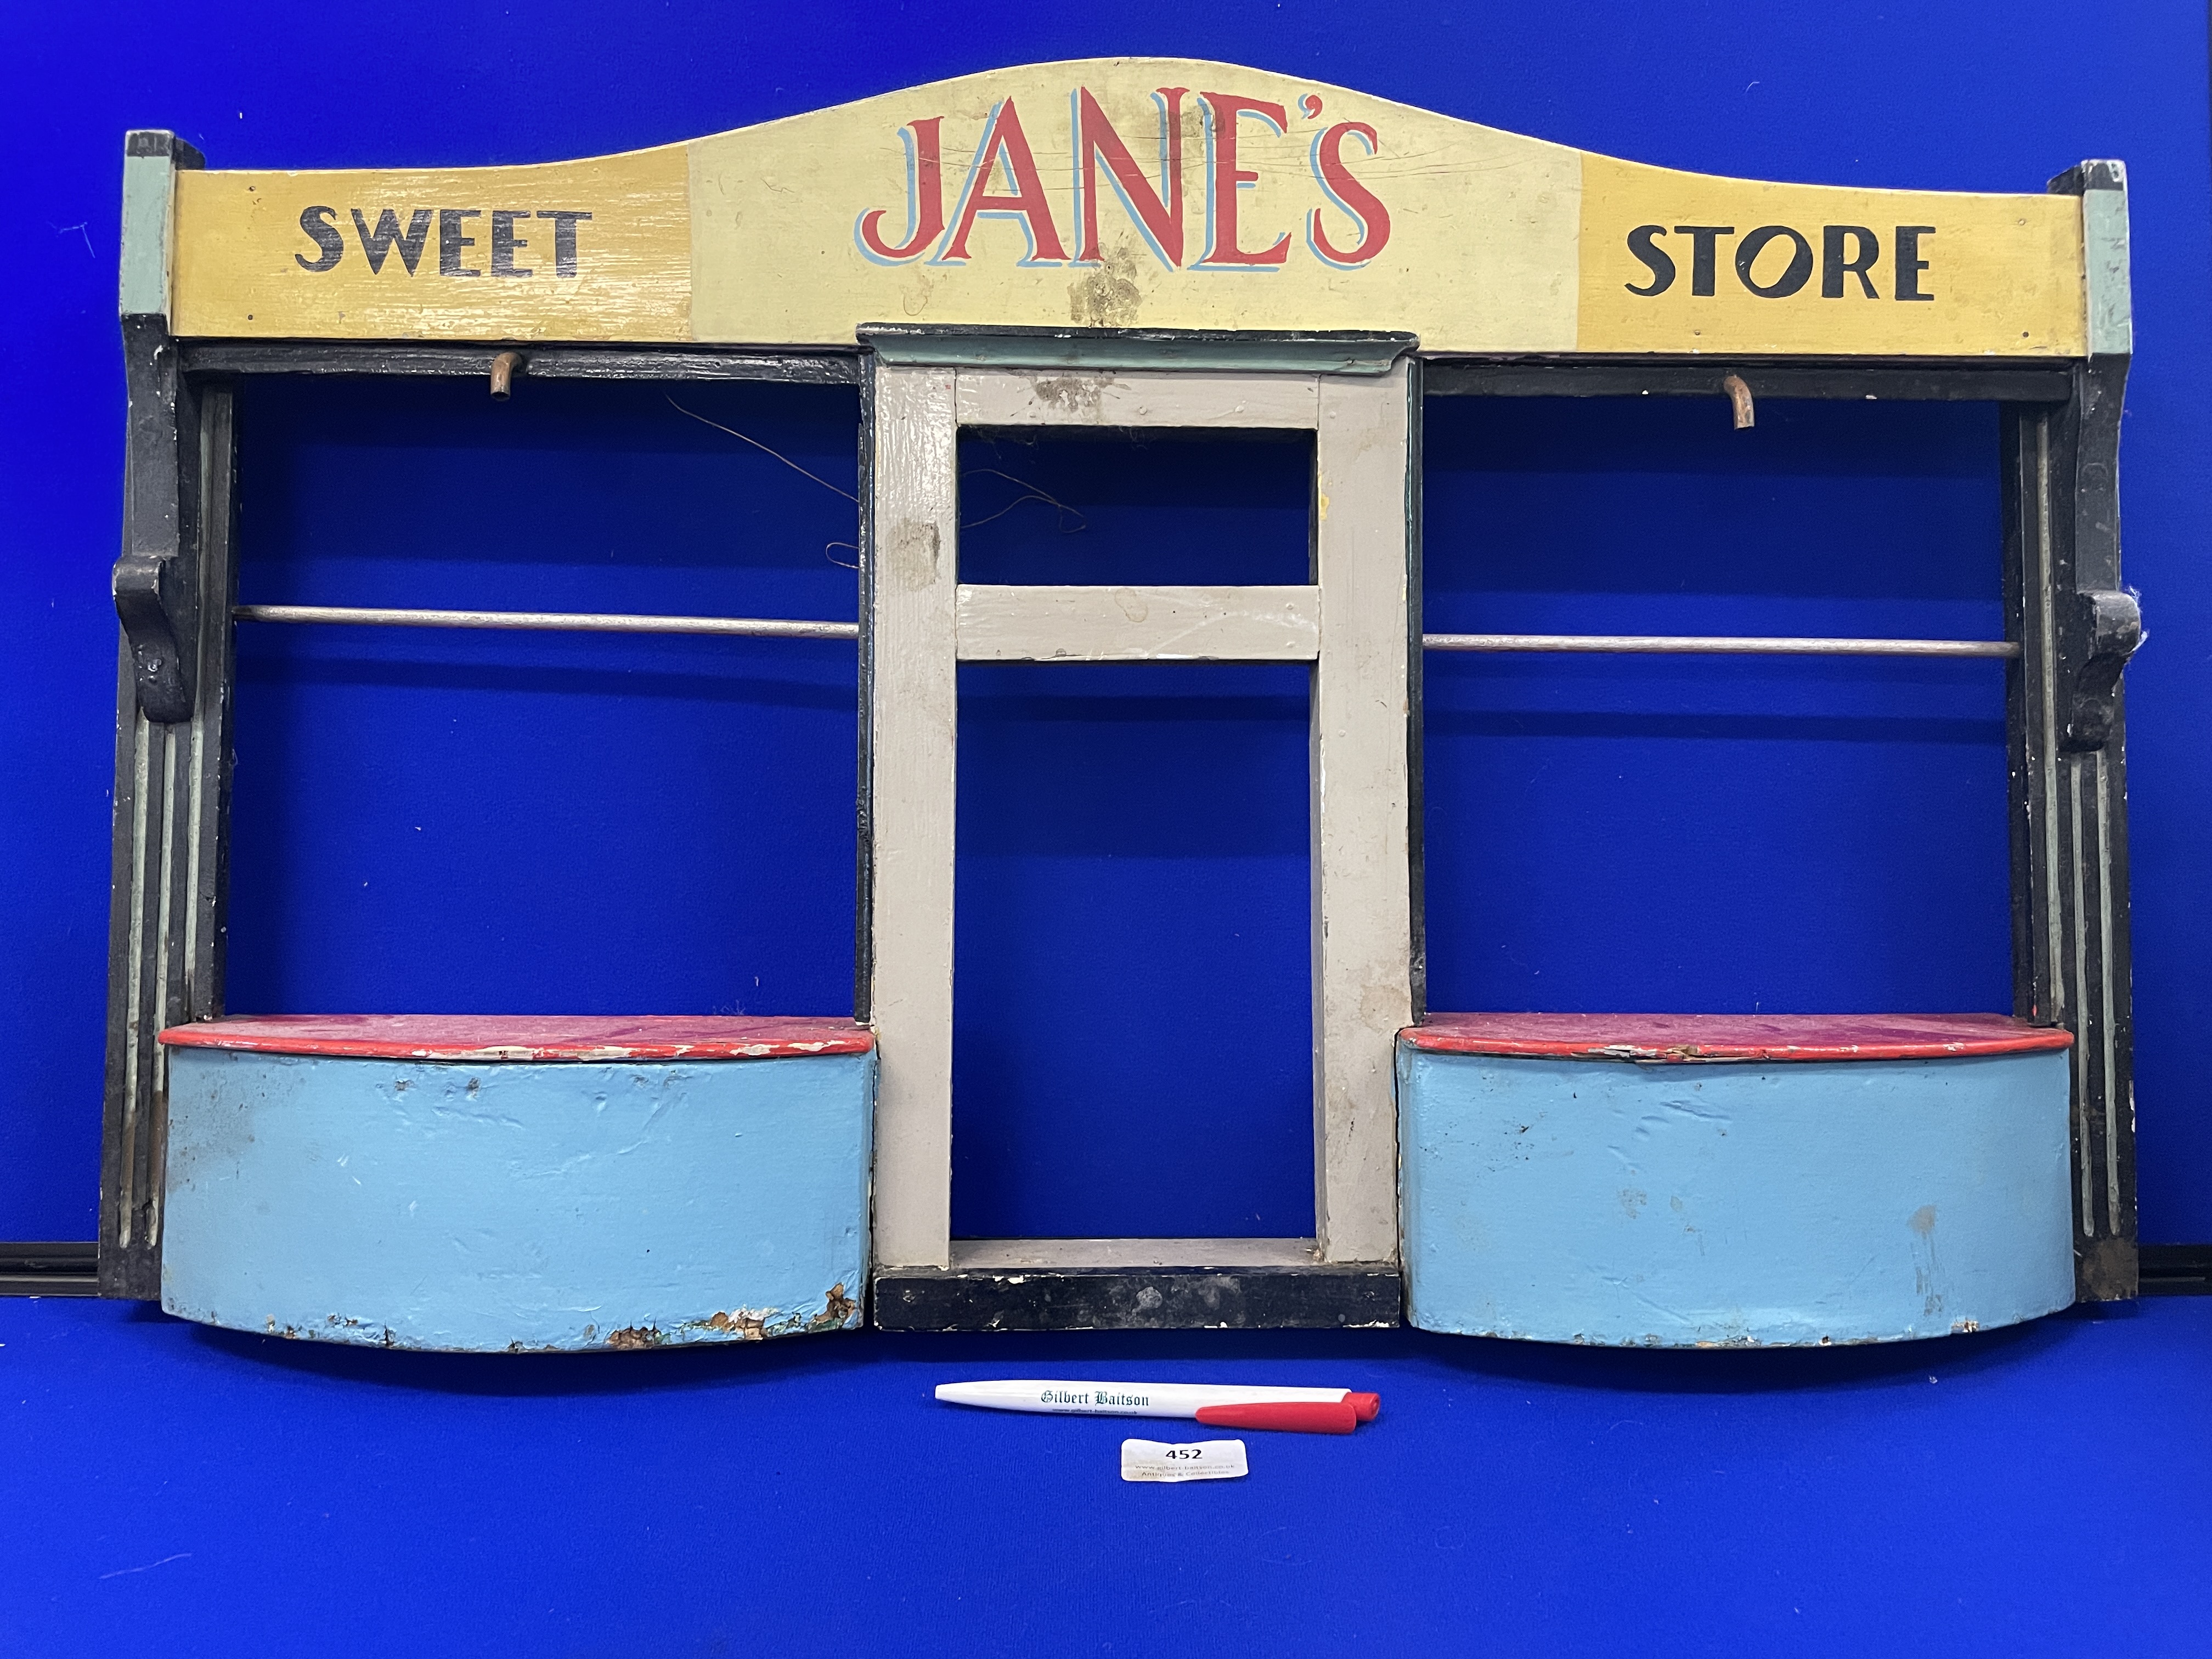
<point x="1197" y="1459"/>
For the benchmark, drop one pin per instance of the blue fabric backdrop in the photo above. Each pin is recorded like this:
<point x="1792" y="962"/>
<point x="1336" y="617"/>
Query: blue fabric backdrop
<point x="462" y="823"/>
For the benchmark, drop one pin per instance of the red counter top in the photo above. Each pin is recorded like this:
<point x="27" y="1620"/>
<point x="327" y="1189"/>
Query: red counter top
<point x="540" y="1037"/>
<point x="1719" y="1038"/>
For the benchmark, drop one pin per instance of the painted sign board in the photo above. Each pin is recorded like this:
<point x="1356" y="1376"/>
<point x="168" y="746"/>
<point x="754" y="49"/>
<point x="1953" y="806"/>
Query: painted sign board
<point x="1127" y="192"/>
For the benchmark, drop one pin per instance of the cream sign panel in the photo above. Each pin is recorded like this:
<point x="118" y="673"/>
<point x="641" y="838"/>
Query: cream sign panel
<point x="1134" y="192"/>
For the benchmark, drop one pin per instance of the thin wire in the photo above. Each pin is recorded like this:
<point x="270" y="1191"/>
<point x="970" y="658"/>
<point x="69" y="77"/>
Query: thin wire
<point x="1060" y="508"/>
<point x="1033" y="493"/>
<point x="764" y="450"/>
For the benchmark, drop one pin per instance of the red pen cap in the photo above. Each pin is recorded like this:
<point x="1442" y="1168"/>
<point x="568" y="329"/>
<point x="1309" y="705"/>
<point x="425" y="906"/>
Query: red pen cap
<point x="1364" y="1405"/>
<point x="1300" y="1416"/>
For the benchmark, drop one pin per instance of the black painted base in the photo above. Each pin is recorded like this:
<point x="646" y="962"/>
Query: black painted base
<point x="1136" y="1298"/>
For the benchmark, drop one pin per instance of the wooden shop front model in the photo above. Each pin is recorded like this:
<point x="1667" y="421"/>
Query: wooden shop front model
<point x="1124" y="245"/>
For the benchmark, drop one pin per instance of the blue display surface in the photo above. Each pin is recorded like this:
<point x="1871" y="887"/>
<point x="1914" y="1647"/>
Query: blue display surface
<point x="1749" y="1204"/>
<point x="193" y="1492"/>
<point x="482" y="1207"/>
<point x="1939" y="100"/>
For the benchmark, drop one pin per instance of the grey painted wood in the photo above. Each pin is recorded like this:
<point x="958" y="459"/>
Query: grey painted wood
<point x="1015" y="1253"/>
<point x="1416" y="393"/>
<point x="913" y="724"/>
<point x="1136" y="398"/>
<point x="863" y="746"/>
<point x="1363" y="928"/>
<point x="1356" y="622"/>
<point x="1139" y="625"/>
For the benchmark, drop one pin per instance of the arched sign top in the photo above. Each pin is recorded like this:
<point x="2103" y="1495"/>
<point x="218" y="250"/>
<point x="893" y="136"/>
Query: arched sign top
<point x="1127" y="192"/>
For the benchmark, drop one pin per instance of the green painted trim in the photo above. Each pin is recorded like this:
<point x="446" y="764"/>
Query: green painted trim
<point x="1131" y="349"/>
<point x="2105" y="258"/>
<point x="149" y="193"/>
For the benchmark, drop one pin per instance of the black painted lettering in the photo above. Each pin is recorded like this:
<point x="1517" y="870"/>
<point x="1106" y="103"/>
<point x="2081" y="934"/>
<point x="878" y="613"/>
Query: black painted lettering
<point x="1644" y="244"/>
<point x="504" y="241"/>
<point x="451" y="241"/>
<point x="1834" y="267"/>
<point x="1910" y="264"/>
<point x="564" y="238"/>
<point x="322" y="224"/>
<point x="376" y="245"/>
<point x="1702" y="240"/>
<point x="1794" y="275"/>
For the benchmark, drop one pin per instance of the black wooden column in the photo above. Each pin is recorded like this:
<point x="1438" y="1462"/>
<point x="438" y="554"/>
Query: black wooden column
<point x="173" y="583"/>
<point x="2076" y="626"/>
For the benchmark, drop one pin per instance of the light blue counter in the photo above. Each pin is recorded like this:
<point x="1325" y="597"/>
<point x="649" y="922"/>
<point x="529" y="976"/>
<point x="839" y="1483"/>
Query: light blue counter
<point x="475" y="1205"/>
<point x="1672" y="1204"/>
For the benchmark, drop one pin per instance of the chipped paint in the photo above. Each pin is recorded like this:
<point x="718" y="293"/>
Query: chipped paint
<point x="518" y="1207"/>
<point x="837" y="1309"/>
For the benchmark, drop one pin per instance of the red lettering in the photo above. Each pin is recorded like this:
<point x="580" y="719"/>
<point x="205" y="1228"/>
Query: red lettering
<point x="1348" y="193"/>
<point x="1228" y="179"/>
<point x="1005" y="140"/>
<point x="925" y="197"/>
<point x="1159" y="213"/>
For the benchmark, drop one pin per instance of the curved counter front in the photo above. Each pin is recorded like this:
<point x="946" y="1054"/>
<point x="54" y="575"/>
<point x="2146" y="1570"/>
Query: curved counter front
<point x="484" y="1184"/>
<point x="1680" y="1181"/>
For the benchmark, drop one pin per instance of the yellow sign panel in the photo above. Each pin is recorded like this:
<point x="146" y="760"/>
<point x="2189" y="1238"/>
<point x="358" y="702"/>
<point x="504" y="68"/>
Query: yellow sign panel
<point x="597" y="250"/>
<point x="1682" y="262"/>
<point x="1127" y="192"/>
<point x="1136" y="194"/>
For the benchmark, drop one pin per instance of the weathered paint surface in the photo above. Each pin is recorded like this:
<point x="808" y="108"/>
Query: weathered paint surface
<point x="1717" y="1038"/>
<point x="526" y="1036"/>
<point x="1802" y="1202"/>
<point x="1354" y="623"/>
<point x="517" y="1207"/>
<point x="1127" y="192"/>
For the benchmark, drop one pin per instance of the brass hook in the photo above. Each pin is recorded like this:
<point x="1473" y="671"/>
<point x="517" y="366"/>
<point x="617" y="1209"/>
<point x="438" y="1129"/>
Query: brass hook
<point x="508" y="364"/>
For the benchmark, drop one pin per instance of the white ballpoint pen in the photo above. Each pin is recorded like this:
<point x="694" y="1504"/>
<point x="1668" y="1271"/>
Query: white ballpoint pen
<point x="1220" y="1405"/>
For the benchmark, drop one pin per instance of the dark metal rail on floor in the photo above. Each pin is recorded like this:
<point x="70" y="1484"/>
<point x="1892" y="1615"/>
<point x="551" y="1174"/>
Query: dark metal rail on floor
<point x="50" y="1267"/>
